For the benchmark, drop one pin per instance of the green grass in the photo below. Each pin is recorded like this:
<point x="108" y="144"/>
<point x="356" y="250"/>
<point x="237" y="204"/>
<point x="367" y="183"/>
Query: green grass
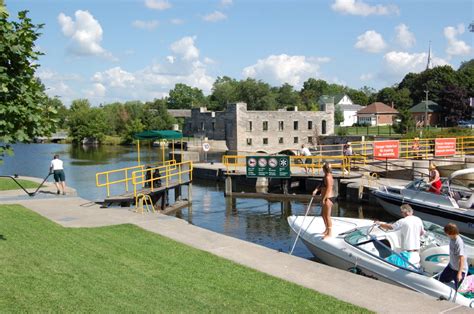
<point x="9" y="184"/>
<point x="47" y="268"/>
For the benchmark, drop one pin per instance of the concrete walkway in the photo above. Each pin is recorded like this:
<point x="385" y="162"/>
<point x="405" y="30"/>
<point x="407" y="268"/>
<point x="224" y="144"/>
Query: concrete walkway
<point x="72" y="211"/>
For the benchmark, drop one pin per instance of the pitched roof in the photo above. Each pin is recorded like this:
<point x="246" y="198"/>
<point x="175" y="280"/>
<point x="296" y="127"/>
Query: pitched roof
<point x="338" y="98"/>
<point x="350" y="107"/>
<point x="431" y="107"/>
<point x="377" y="107"/>
<point x="324" y="99"/>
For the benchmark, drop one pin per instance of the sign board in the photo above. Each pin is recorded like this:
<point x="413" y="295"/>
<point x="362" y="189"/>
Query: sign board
<point x="386" y="150"/>
<point x="206" y="147"/>
<point x="268" y="166"/>
<point x="445" y="147"/>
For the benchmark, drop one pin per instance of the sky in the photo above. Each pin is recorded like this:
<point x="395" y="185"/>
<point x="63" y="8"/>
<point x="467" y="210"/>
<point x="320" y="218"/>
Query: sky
<point x="121" y="50"/>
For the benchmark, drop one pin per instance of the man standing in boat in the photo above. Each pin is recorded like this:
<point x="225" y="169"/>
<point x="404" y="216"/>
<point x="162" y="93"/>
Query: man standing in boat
<point x="411" y="229"/>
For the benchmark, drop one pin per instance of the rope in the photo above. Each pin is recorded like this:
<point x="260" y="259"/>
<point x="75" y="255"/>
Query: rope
<point x="301" y="227"/>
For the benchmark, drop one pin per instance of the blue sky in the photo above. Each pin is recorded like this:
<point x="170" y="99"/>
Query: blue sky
<point x="121" y="50"/>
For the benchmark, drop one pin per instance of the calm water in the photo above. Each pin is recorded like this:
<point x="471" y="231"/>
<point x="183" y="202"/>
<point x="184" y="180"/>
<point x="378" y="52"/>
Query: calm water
<point x="254" y="220"/>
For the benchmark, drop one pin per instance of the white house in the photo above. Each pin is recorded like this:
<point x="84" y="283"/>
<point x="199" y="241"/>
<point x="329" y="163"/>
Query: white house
<point x="348" y="108"/>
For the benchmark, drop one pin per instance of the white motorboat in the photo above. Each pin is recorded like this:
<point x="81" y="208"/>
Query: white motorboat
<point x="362" y="247"/>
<point x="453" y="204"/>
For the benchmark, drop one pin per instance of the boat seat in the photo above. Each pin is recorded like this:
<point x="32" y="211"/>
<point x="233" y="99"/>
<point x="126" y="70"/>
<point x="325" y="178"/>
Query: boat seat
<point x="466" y="203"/>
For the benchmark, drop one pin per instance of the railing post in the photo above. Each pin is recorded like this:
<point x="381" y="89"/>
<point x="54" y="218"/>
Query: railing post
<point x="107" y="183"/>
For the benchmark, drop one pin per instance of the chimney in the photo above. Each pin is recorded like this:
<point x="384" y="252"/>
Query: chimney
<point x="392" y="104"/>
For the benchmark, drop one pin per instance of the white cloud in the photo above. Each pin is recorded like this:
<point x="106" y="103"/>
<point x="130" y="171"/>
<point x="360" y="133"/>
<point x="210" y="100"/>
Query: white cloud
<point x="97" y="90"/>
<point x="280" y="69"/>
<point x="397" y="64"/>
<point x="148" y="25"/>
<point x="186" y="48"/>
<point x="177" y="21"/>
<point x="404" y="38"/>
<point x="214" y="17"/>
<point x="370" y="41"/>
<point x="157" y="4"/>
<point x="366" y="77"/>
<point x="155" y="80"/>
<point x="226" y="3"/>
<point x="456" y="47"/>
<point x="85" y="34"/>
<point x="359" y="7"/>
<point x="115" y="77"/>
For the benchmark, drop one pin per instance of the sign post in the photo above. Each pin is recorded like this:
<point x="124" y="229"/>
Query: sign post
<point x="268" y="166"/>
<point x="205" y="147"/>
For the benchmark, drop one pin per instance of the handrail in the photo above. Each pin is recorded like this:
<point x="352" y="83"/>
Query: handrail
<point x="23" y="188"/>
<point x="167" y="174"/>
<point x="108" y="182"/>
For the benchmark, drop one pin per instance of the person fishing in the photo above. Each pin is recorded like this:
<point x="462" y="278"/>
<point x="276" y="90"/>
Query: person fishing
<point x="327" y="198"/>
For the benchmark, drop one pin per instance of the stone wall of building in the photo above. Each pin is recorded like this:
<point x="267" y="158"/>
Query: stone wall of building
<point x="252" y="131"/>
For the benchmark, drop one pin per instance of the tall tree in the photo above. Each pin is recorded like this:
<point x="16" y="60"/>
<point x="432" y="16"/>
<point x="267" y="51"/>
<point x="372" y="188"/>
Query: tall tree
<point x="156" y="116"/>
<point x="22" y="98"/>
<point x="287" y="96"/>
<point x="312" y="90"/>
<point x="257" y="94"/>
<point x="183" y="96"/>
<point x="224" y="91"/>
<point x="454" y="102"/>
<point x="86" y="122"/>
<point x="358" y="97"/>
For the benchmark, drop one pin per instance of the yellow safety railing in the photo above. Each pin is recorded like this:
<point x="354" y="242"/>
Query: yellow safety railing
<point x="116" y="176"/>
<point x="169" y="174"/>
<point x="144" y="202"/>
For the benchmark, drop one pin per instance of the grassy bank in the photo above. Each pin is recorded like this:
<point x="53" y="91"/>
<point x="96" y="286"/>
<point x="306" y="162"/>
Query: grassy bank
<point x="9" y="184"/>
<point x="47" y="268"/>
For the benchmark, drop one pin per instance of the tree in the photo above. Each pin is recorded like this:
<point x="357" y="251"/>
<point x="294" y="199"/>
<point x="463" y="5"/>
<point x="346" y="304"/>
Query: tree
<point x="466" y="76"/>
<point x="286" y="96"/>
<point x="257" y="94"/>
<point x="22" y="97"/>
<point x="454" y="102"/>
<point x="183" y="96"/>
<point x="312" y="90"/>
<point x="358" y="97"/>
<point x="86" y="122"/>
<point x="156" y="116"/>
<point x="338" y="115"/>
<point x="224" y="91"/>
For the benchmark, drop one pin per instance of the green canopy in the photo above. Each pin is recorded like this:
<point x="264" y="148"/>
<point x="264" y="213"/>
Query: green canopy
<point x="159" y="135"/>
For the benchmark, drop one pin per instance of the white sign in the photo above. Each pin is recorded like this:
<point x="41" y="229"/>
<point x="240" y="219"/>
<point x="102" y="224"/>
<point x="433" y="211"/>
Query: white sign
<point x="206" y="147"/>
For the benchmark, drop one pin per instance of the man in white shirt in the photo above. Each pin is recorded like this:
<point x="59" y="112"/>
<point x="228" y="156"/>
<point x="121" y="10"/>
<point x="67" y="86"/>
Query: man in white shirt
<point x="57" y="169"/>
<point x="411" y="229"/>
<point x="305" y="152"/>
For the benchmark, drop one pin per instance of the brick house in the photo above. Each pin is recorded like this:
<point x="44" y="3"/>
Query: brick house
<point x="432" y="110"/>
<point x="377" y="113"/>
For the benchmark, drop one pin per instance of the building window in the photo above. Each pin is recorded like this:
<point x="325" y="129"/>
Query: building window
<point x="202" y="126"/>
<point x="249" y="141"/>
<point x="295" y="139"/>
<point x="310" y="139"/>
<point x="249" y="126"/>
<point x="265" y="125"/>
<point x="213" y="126"/>
<point x="281" y="126"/>
<point x="310" y="125"/>
<point x="295" y="125"/>
<point x="323" y="127"/>
<point x="265" y="141"/>
<point x="280" y="140"/>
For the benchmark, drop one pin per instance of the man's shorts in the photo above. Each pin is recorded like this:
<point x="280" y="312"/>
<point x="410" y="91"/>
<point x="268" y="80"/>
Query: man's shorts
<point x="59" y="175"/>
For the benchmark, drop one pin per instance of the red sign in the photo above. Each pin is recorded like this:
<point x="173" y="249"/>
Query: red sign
<point x="445" y="146"/>
<point x="386" y="150"/>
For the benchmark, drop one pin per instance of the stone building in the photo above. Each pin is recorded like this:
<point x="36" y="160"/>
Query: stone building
<point x="268" y="131"/>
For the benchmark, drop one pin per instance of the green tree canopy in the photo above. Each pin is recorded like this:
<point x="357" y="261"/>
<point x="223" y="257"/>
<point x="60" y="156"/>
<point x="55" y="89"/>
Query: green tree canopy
<point x="87" y="122"/>
<point x="22" y="98"/>
<point x="183" y="96"/>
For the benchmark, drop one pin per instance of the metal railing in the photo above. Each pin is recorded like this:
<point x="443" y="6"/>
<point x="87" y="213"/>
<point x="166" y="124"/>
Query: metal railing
<point x="168" y="175"/>
<point x="116" y="176"/>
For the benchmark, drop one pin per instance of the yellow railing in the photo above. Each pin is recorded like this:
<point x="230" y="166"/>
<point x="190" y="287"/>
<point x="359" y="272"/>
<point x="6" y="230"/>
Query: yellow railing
<point x="169" y="174"/>
<point x="124" y="175"/>
<point x="110" y="177"/>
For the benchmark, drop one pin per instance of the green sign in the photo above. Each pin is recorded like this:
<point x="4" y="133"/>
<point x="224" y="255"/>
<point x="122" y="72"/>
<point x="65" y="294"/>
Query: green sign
<point x="268" y="166"/>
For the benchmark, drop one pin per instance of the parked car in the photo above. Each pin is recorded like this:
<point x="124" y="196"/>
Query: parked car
<point x="469" y="124"/>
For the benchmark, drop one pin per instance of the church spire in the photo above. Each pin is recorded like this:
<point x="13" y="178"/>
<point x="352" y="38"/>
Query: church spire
<point x="429" y="64"/>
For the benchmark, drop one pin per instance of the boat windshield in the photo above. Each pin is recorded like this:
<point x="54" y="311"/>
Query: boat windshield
<point x="435" y="235"/>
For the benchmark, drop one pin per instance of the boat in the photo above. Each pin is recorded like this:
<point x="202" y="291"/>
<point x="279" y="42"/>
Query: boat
<point x="362" y="247"/>
<point x="454" y="204"/>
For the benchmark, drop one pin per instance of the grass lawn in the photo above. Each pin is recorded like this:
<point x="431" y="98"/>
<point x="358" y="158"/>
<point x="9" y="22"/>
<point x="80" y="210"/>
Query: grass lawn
<point x="9" y="184"/>
<point x="47" y="268"/>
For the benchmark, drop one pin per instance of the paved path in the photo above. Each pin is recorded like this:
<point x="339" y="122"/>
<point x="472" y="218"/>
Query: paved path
<point x="72" y="211"/>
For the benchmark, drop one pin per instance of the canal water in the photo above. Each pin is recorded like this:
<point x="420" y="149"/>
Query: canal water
<point x="254" y="220"/>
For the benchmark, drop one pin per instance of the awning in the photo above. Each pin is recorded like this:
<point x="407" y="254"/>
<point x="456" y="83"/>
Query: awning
<point x="159" y="135"/>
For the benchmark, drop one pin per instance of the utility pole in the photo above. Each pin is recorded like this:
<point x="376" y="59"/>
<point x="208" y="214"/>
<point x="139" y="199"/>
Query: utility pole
<point x="426" y="108"/>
